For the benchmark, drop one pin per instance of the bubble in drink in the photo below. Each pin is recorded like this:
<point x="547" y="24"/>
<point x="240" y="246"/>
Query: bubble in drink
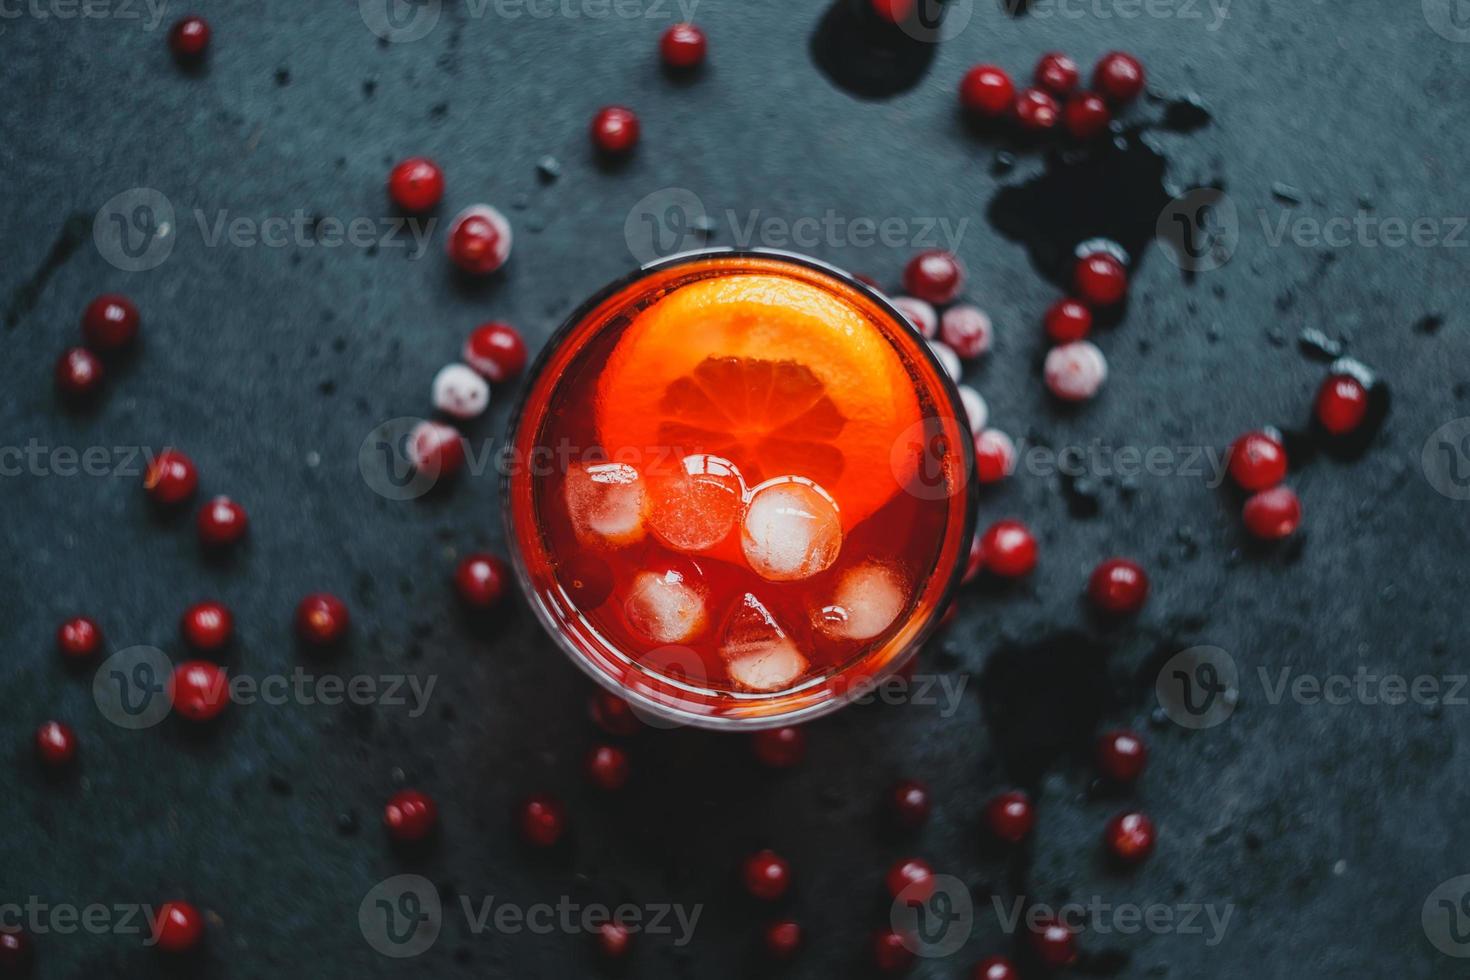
<point x="791" y="530"/>
<point x="697" y="507"/>
<point x="605" y="502"/>
<point x="759" y="656"/>
<point x="666" y="606"/>
<point x="869" y="598"/>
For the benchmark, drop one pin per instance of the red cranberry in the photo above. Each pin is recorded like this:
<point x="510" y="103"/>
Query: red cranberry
<point x="1010" y="550"/>
<point x="1341" y="404"/>
<point x="479" y="240"/>
<point x="1036" y="110"/>
<point x="543" y="820"/>
<point x="1119" y="77"/>
<point x="1258" y="461"/>
<point x="1130" y="837"/>
<point x="910" y="872"/>
<point x="1121" y="755"/>
<point x="189" y="37"/>
<point x="110" y="322"/>
<point x="207" y="626"/>
<point x="890" y="953"/>
<point x="615" y="130"/>
<point x="1118" y="586"/>
<point x="1101" y="279"/>
<point x="222" y="522"/>
<point x="996" y="968"/>
<point x="1273" y="514"/>
<point x="481" y="580"/>
<point x="322" y="619"/>
<point x="78" y="638"/>
<point x="683" y="46"/>
<point x="436" y="449"/>
<point x="1057" y="73"/>
<point x="78" y="374"/>
<point x="767" y="875"/>
<point x="613" y="939"/>
<point x="1053" y="944"/>
<point x="893" y="11"/>
<point x="16" y="955"/>
<point x="56" y="744"/>
<point x="171" y="478"/>
<point x="779" y="748"/>
<point x="410" y="816"/>
<point x="987" y="91"/>
<point x="496" y="350"/>
<point x="1067" y="321"/>
<point x="199" y="690"/>
<point x="1086" y="115"/>
<point x="178" y="927"/>
<point x="607" y="767"/>
<point x="416" y="184"/>
<point x="612" y="714"/>
<point x="1010" y="816"/>
<point x="909" y="801"/>
<point x="995" y="456"/>
<point x="935" y="276"/>
<point x="782" y="939"/>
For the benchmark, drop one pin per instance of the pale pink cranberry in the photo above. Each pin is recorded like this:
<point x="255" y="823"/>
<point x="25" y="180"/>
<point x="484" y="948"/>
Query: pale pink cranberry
<point x="479" y="239"/>
<point x="967" y="330"/>
<point x="948" y="358"/>
<point x="995" y="456"/>
<point x="918" y="313"/>
<point x="1074" y="372"/>
<point x="460" y="392"/>
<point x="436" y="448"/>
<point x="976" y="411"/>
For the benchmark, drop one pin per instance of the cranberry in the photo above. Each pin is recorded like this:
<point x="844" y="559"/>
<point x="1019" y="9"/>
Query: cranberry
<point x="1086" y="115"/>
<point x="782" y="939"/>
<point x="171" y="478"/>
<point x="975" y="563"/>
<point x="1010" y="816"/>
<point x="890" y="953"/>
<point x="479" y="240"/>
<point x="459" y="391"/>
<point x="893" y="11"/>
<point x="481" y="580"/>
<point x="935" y="276"/>
<point x="56" y="744"/>
<point x="919" y="314"/>
<point x="1057" y="73"/>
<point x="977" y="412"/>
<point x="78" y="638"/>
<point x="207" y="626"/>
<point x="78" y="374"/>
<point x="189" y="37"/>
<point x="612" y="714"/>
<point x="1121" y="755"/>
<point x="543" y="820"/>
<point x="496" y="350"/>
<point x="436" y="449"/>
<point x="1010" y="550"/>
<point x="1341" y="404"/>
<point x="1100" y="279"/>
<point x="1258" y="461"/>
<point x="607" y="767"/>
<point x="910" y="872"/>
<point x="683" y="46"/>
<point x="995" y="456"/>
<point x="1118" y="586"/>
<point x="199" y="690"/>
<point x="909" y="801"/>
<point x="1118" y="76"/>
<point x="767" y="875"/>
<point x="416" y="184"/>
<point x="1036" y="110"/>
<point x="222" y="522"/>
<point x="995" y="968"/>
<point x="110" y="322"/>
<point x="1273" y="514"/>
<point x="779" y="748"/>
<point x="615" y="130"/>
<point x="322" y="619"/>
<point x="967" y="330"/>
<point x="1075" y="372"/>
<point x="1130" y="837"/>
<point x="987" y="91"/>
<point x="1067" y="321"/>
<point x="410" y="816"/>
<point x="178" y="927"/>
<point x="16" y="955"/>
<point x="1053" y="944"/>
<point x="613" y="939"/>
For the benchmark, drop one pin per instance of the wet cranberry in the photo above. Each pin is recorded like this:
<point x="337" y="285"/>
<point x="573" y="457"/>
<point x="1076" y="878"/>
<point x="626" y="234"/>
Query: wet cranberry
<point x="782" y="939"/>
<point x="78" y="374"/>
<point x="1067" y="321"/>
<point x="322" y="619"/>
<point x="615" y="130"/>
<point x="1121" y="755"/>
<point x="543" y="820"/>
<point x="1257" y="461"/>
<point x="222" y="522"/>
<point x="1273" y="514"/>
<point x="1010" y="549"/>
<point x="910" y="873"/>
<point x="995" y="968"/>
<point x="909" y="802"/>
<point x="416" y="184"/>
<point x="612" y="714"/>
<point x="436" y="449"/>
<point x="178" y="927"/>
<point x="479" y="240"/>
<point x="1036" y="110"/>
<point x="17" y="957"/>
<point x="481" y="580"/>
<point x="189" y="38"/>
<point x="767" y="875"/>
<point x="1100" y="279"/>
<point x="171" y="478"/>
<point x="207" y="626"/>
<point x="613" y="940"/>
<point x="890" y="953"/>
<point x="78" y="638"/>
<point x="607" y="767"/>
<point x="1010" y="816"/>
<point x="1053" y="944"/>
<point x="1118" y="586"/>
<point x="1130" y="837"/>
<point x="1086" y="115"/>
<point x="410" y="816"/>
<point x="995" y="456"/>
<point x="1119" y="77"/>
<point x="1057" y="73"/>
<point x="683" y="46"/>
<point x="935" y="276"/>
<point x="56" y="744"/>
<point x="496" y="350"/>
<point x="987" y="91"/>
<point x="199" y="690"/>
<point x="1342" y="402"/>
<point x="110" y="322"/>
<point x="779" y="748"/>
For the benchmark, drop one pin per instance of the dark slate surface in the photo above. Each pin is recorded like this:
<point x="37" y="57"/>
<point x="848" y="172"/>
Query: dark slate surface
<point x="1324" y="827"/>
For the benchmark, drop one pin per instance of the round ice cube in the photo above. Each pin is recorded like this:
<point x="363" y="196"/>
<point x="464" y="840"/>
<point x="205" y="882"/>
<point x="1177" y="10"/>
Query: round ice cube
<point x="791" y="529"/>
<point x="698" y="506"/>
<point x="667" y="606"/>
<point x="605" y="502"/>
<point x="869" y="598"/>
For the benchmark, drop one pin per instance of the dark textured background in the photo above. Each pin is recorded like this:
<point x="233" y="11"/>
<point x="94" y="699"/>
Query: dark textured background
<point x="1326" y="827"/>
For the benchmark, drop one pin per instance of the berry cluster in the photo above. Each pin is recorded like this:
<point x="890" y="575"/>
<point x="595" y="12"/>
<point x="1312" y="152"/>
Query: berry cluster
<point x="988" y="93"/>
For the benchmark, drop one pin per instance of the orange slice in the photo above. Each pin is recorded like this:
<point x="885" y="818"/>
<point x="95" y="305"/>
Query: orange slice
<point x="774" y="374"/>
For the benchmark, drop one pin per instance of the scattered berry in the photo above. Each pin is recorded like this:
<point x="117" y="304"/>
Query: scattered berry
<point x="207" y="626"/>
<point x="987" y="91"/>
<point x="1273" y="514"/>
<point x="1010" y="550"/>
<point x="967" y="330"/>
<point x="410" y="816"/>
<point x="607" y="767"/>
<point x="1342" y="402"/>
<point x="543" y="820"/>
<point x="920" y="314"/>
<point x="995" y="456"/>
<point x="1118" y="77"/>
<point x="171" y="478"/>
<point x="1121" y="755"/>
<point x="199" y="690"/>
<point x="110" y="322"/>
<point x="479" y="240"/>
<point x="683" y="46"/>
<point x="56" y="744"/>
<point x="189" y="38"/>
<point x="1074" y="372"/>
<point x="779" y="748"/>
<point x="1130" y="837"/>
<point x="1067" y="321"/>
<point x="1036" y="110"/>
<point x="935" y="276"/>
<point x="78" y="374"/>
<point x="1010" y="816"/>
<point x="612" y="714"/>
<point x="615" y="130"/>
<point x="481" y="580"/>
<point x="909" y="801"/>
<point x="977" y="412"/>
<point x="1118" y="586"/>
<point x="1053" y="944"/>
<point x="436" y="449"/>
<point x="912" y="873"/>
<point x="78" y="638"/>
<point x="996" y="968"/>
<point x="16" y="954"/>
<point x="1086" y="115"/>
<point x="1057" y="73"/>
<point x="322" y="619"/>
<point x="782" y="939"/>
<point x="496" y="350"/>
<point x="948" y="360"/>
<point x="460" y="392"/>
<point x="222" y="522"/>
<point x="1100" y="279"/>
<point x="613" y="939"/>
<point x="1258" y="461"/>
<point x="416" y="184"/>
<point x="178" y="927"/>
<point x="767" y="875"/>
<point x="890" y="953"/>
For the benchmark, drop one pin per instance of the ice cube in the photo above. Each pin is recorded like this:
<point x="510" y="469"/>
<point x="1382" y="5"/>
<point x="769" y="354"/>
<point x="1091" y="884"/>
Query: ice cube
<point x="696" y="507"/>
<point x="791" y="529"/>
<point x="758" y="654"/>
<point x="667" y="606"/>
<point x="606" y="503"/>
<point x="869" y="598"/>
